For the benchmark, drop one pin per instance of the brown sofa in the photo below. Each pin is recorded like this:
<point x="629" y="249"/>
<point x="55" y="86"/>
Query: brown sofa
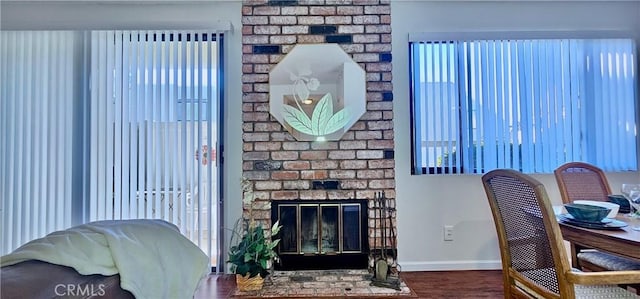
<point x="36" y="279"/>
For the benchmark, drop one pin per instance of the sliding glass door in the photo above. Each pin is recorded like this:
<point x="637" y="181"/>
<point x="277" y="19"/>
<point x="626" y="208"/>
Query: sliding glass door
<point x="144" y="133"/>
<point x="154" y="122"/>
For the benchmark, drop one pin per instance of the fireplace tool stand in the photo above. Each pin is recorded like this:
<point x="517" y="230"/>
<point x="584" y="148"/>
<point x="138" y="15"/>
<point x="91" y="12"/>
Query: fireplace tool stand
<point x="382" y="267"/>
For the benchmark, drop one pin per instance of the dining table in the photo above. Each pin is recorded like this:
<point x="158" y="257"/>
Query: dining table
<point x="622" y="241"/>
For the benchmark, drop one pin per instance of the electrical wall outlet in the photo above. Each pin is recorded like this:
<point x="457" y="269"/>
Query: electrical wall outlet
<point x="448" y="232"/>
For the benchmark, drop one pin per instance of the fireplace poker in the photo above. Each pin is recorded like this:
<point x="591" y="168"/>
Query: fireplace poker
<point x="383" y="217"/>
<point x="381" y="265"/>
<point x="381" y="277"/>
<point x="375" y="225"/>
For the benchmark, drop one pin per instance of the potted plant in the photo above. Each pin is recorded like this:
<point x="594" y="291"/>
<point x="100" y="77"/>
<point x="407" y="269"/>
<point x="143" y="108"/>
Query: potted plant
<point x="252" y="257"/>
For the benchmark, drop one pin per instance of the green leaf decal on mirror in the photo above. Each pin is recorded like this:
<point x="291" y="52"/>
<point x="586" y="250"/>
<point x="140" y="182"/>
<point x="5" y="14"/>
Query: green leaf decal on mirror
<point x="297" y="119"/>
<point x="322" y="122"/>
<point x="321" y="115"/>
<point x="336" y="122"/>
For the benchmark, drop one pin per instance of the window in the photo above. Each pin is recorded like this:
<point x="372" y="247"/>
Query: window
<point x="529" y="105"/>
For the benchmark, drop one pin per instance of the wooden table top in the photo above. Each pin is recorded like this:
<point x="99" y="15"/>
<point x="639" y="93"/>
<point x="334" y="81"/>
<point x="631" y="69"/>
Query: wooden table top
<point x="624" y="241"/>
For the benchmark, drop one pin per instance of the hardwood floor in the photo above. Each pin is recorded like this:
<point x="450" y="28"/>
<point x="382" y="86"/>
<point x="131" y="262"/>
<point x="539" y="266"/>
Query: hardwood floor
<point x="433" y="284"/>
<point x="455" y="284"/>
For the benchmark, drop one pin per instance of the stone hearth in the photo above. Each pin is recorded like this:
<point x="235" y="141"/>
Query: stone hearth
<point x="323" y="283"/>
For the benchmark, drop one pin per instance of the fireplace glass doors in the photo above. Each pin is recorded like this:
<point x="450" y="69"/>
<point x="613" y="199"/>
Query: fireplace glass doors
<point x="328" y="228"/>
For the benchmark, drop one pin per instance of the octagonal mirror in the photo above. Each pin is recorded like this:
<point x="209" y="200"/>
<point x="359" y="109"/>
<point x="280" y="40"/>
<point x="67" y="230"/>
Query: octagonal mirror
<point x="317" y="92"/>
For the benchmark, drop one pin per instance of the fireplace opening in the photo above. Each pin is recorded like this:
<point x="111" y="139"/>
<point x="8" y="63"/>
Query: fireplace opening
<point x="320" y="235"/>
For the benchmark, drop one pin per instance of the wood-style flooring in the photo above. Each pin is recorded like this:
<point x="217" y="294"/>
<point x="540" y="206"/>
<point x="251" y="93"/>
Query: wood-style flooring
<point x="432" y="284"/>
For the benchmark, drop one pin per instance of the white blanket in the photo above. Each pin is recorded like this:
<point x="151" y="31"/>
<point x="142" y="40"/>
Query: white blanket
<point x="154" y="260"/>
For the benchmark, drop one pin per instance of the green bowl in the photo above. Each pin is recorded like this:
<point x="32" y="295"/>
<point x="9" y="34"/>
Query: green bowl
<point x="620" y="200"/>
<point x="587" y="213"/>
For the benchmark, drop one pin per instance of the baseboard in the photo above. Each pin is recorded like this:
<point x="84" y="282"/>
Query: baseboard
<point x="450" y="265"/>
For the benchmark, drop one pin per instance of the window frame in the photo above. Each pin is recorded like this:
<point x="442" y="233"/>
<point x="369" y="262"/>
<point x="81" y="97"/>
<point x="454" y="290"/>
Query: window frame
<point x="436" y="37"/>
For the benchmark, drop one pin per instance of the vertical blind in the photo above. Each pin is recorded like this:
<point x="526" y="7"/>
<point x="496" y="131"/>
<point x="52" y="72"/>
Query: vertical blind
<point x="36" y="133"/>
<point x="529" y="105"/>
<point x="154" y="98"/>
<point x="109" y="125"/>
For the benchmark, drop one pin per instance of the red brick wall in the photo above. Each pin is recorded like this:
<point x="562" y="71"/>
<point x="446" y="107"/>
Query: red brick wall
<point x="363" y="160"/>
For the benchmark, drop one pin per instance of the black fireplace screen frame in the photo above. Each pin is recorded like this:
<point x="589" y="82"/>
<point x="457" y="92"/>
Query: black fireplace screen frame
<point x="321" y="259"/>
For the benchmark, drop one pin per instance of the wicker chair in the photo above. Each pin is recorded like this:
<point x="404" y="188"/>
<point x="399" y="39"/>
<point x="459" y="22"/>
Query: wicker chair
<point x="534" y="261"/>
<point x="583" y="181"/>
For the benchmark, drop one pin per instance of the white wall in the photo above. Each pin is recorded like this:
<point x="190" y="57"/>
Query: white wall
<point x="427" y="203"/>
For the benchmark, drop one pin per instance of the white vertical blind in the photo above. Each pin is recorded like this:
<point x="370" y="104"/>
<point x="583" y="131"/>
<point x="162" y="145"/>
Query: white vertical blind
<point x="36" y="131"/>
<point x="611" y="68"/>
<point x="109" y="125"/>
<point x="530" y="105"/>
<point x="153" y="125"/>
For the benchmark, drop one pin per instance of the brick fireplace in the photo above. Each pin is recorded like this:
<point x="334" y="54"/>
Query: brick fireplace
<point x="361" y="163"/>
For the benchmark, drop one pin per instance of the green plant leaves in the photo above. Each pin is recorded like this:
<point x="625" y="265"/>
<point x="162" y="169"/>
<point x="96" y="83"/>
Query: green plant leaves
<point x="242" y="269"/>
<point x="274" y="244"/>
<point x="275" y="228"/>
<point x="253" y="253"/>
<point x="263" y="264"/>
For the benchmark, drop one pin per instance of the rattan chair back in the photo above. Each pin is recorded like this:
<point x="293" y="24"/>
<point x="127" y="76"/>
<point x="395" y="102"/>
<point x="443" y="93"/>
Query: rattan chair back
<point x="581" y="181"/>
<point x="532" y="252"/>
